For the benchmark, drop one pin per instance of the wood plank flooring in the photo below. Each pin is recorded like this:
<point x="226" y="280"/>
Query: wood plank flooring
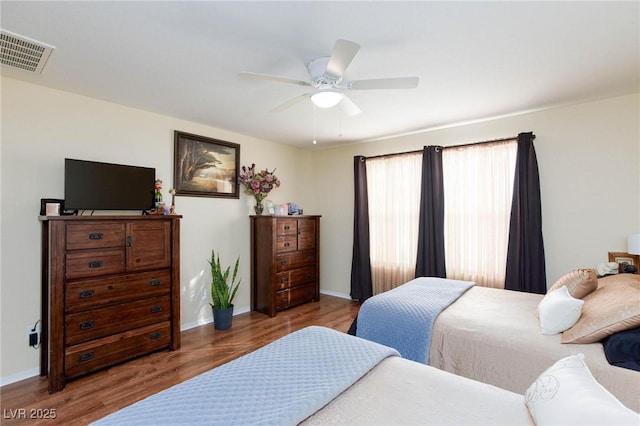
<point x="90" y="398"/>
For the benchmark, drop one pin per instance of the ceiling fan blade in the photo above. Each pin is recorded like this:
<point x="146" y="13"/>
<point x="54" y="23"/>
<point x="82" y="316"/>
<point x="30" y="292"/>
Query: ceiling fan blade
<point x="291" y="102"/>
<point x="384" y="83"/>
<point x="343" y="53"/>
<point x="348" y="107"/>
<point x="273" y="78"/>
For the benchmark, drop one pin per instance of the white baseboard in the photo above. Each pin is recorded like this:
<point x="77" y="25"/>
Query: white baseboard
<point x="27" y="374"/>
<point x="336" y="294"/>
<point x="203" y="321"/>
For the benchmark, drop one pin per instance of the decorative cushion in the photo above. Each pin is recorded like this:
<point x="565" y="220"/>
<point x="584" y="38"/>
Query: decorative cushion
<point x="622" y="349"/>
<point x="609" y="309"/>
<point x="619" y="279"/>
<point x="567" y="394"/>
<point x="558" y="311"/>
<point x="580" y="282"/>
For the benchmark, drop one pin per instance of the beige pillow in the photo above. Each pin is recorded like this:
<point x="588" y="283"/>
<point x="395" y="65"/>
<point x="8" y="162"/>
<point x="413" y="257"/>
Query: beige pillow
<point x="609" y="309"/>
<point x="619" y="279"/>
<point x="579" y="282"/>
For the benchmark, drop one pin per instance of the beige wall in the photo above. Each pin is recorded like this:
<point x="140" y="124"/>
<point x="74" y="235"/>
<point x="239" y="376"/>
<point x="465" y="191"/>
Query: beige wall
<point x="589" y="162"/>
<point x="40" y="127"/>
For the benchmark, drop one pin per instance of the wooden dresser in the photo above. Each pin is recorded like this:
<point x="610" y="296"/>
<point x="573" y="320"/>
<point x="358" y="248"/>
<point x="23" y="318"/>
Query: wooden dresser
<point x="110" y="291"/>
<point x="285" y="262"/>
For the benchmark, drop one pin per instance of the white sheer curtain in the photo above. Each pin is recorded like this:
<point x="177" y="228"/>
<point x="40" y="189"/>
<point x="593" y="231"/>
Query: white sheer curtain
<point x="478" y="188"/>
<point x="393" y="184"/>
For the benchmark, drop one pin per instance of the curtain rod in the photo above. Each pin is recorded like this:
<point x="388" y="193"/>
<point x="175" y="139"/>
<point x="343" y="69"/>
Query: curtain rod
<point x="447" y="147"/>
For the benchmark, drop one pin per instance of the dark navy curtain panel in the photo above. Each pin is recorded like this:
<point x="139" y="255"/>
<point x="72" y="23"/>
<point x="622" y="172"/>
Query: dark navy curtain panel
<point x="526" y="270"/>
<point x="431" y="260"/>
<point x="361" y="284"/>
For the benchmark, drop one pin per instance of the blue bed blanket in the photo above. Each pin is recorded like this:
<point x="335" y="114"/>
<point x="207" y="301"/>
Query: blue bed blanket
<point x="281" y="383"/>
<point x="402" y="318"/>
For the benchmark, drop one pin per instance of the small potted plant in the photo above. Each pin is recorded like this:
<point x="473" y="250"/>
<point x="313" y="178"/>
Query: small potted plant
<point x="222" y="292"/>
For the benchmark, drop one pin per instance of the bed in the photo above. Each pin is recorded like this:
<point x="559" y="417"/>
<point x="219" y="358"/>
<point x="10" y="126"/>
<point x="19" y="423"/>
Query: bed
<point x="494" y="336"/>
<point x="321" y="376"/>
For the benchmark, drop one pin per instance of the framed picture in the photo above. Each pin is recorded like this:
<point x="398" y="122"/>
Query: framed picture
<point x="205" y="167"/>
<point x="620" y="257"/>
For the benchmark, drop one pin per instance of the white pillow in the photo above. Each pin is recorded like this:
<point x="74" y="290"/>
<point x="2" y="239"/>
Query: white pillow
<point x="559" y="311"/>
<point x="567" y="394"/>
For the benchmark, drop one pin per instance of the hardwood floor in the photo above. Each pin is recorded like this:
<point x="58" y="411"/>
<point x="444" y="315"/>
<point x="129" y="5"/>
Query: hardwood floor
<point x="92" y="397"/>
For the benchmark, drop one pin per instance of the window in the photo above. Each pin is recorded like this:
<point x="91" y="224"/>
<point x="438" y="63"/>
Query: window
<point x="393" y="185"/>
<point x="478" y="188"/>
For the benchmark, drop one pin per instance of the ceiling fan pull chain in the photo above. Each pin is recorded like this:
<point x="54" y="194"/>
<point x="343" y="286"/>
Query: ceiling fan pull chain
<point x="314" y="124"/>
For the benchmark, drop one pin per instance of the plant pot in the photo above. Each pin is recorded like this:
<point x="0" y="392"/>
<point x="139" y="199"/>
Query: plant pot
<point x="222" y="318"/>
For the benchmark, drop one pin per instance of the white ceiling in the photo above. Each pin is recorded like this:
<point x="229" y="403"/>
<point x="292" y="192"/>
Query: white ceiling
<point x="475" y="60"/>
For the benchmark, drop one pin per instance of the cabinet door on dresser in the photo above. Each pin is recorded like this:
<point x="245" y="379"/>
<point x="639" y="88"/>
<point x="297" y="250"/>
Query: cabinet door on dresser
<point x="148" y="245"/>
<point x="110" y="292"/>
<point x="285" y="262"/>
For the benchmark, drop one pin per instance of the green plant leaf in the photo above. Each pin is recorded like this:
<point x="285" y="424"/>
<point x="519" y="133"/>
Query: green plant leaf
<point x="222" y="292"/>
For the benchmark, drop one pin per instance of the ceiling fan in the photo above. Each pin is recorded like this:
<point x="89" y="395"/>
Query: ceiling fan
<point x="326" y="74"/>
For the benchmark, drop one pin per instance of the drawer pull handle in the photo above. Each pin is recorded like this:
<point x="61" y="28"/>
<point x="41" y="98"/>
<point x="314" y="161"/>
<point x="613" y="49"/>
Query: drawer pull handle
<point x="287" y="227"/>
<point x="87" y="294"/>
<point x="86" y="325"/>
<point x="284" y="280"/>
<point x="156" y="309"/>
<point x="287" y="244"/>
<point x="129" y="241"/>
<point x="283" y="262"/>
<point x="96" y="264"/>
<point x="96" y="236"/>
<point x="156" y="281"/>
<point x="155" y="335"/>
<point x="86" y="356"/>
<point x="283" y="298"/>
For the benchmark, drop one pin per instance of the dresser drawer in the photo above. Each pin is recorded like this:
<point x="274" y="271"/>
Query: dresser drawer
<point x="286" y="243"/>
<point x="90" y="356"/>
<point x="286" y="227"/>
<point x="94" y="263"/>
<point x="82" y="295"/>
<point x="285" y="262"/>
<point x="96" y="323"/>
<point x="295" y="277"/>
<point x="294" y="296"/>
<point x="95" y="235"/>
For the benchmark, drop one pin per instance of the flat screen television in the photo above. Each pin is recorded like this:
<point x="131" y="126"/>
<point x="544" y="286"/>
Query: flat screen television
<point x="91" y="185"/>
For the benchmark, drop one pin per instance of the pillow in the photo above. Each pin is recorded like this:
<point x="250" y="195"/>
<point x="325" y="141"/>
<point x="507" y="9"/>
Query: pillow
<point x="558" y="311"/>
<point x="622" y="349"/>
<point x="567" y="394"/>
<point x="609" y="309"/>
<point x="580" y="282"/>
<point x="619" y="279"/>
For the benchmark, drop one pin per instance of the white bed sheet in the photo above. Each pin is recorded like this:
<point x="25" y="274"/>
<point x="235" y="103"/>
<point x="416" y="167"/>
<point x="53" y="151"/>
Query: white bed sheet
<point x="494" y="336"/>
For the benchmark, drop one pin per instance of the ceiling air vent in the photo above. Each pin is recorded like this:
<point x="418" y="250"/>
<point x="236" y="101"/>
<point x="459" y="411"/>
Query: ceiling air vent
<point x="23" y="53"/>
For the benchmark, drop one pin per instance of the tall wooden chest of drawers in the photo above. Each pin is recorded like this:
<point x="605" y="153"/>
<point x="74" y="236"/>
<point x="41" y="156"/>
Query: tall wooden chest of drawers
<point x="110" y="291"/>
<point x="285" y="262"/>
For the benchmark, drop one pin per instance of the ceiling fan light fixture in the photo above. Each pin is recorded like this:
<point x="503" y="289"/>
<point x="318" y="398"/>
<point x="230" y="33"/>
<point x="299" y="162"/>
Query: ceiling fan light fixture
<point x="327" y="98"/>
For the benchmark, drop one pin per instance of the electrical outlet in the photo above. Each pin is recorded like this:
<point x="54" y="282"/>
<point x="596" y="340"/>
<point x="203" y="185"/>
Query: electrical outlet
<point x="33" y="335"/>
<point x="33" y="339"/>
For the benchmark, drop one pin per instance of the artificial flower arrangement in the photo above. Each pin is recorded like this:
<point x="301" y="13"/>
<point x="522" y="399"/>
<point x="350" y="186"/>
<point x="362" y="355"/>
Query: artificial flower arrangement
<point x="258" y="184"/>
